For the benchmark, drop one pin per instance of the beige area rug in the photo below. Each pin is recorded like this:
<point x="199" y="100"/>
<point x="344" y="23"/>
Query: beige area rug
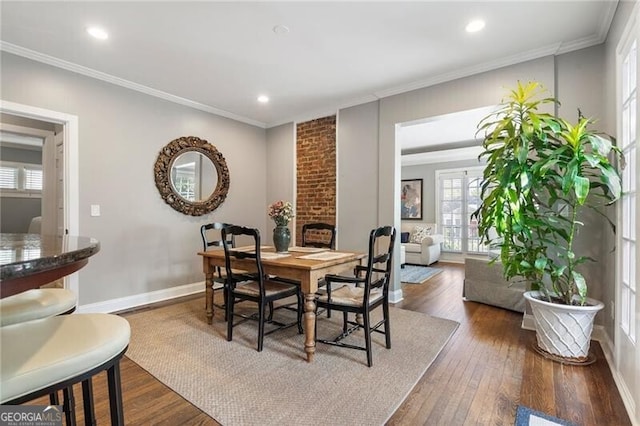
<point x="236" y="385"/>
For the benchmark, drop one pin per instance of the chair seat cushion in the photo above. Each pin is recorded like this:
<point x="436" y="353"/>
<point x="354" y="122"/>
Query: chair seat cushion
<point x="41" y="353"/>
<point x="36" y="304"/>
<point x="349" y="296"/>
<point x="271" y="288"/>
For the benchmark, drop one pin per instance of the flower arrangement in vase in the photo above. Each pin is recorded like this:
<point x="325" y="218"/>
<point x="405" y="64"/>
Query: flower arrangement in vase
<point x="281" y="212"/>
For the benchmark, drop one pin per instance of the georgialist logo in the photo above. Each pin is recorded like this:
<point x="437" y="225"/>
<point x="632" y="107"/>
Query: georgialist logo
<point x="30" y="415"/>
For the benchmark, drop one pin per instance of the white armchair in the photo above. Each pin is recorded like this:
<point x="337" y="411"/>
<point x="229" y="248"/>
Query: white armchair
<point x="423" y="245"/>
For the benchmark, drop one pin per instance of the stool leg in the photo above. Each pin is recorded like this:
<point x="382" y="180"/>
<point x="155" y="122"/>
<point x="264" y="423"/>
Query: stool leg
<point x="115" y="395"/>
<point x="53" y="398"/>
<point x="87" y="400"/>
<point x="69" y="407"/>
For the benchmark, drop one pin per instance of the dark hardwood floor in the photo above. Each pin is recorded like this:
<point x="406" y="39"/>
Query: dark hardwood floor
<point x="479" y="378"/>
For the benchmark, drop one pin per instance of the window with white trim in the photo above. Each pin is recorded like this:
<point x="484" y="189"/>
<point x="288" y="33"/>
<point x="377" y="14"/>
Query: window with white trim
<point x="458" y="197"/>
<point x="20" y="179"/>
<point x="628" y="217"/>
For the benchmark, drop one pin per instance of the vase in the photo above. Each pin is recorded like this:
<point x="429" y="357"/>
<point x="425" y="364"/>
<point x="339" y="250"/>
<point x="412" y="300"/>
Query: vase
<point x="563" y="331"/>
<point x="281" y="238"/>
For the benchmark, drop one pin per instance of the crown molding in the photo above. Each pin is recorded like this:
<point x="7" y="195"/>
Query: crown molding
<point x="98" y="75"/>
<point x="324" y="112"/>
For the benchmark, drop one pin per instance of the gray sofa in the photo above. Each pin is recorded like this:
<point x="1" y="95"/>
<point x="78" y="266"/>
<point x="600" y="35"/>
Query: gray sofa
<point x="484" y="283"/>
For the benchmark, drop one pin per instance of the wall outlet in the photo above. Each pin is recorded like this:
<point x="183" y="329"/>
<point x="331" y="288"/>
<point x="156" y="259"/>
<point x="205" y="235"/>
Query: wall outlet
<point x="95" y="209"/>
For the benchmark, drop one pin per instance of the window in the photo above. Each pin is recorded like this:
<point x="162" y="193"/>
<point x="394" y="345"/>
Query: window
<point x="458" y="197"/>
<point x="20" y="179"/>
<point x="628" y="201"/>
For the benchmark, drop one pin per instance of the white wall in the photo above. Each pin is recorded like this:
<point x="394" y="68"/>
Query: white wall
<point x="145" y="244"/>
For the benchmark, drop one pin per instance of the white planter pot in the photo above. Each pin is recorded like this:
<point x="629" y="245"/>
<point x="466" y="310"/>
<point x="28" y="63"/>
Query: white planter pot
<point x="564" y="331"/>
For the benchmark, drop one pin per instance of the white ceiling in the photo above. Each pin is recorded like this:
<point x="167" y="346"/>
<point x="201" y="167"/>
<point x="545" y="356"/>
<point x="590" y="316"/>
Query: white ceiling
<point x="219" y="56"/>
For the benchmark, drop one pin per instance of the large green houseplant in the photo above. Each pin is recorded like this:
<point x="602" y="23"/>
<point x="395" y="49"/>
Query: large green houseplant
<point x="541" y="173"/>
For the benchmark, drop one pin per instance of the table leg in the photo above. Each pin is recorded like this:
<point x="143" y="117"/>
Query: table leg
<point x="310" y="325"/>
<point x="209" y="296"/>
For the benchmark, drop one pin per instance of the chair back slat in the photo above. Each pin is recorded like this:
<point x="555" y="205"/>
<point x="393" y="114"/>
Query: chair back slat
<point x="208" y="234"/>
<point x="228" y="234"/>
<point x="322" y="235"/>
<point x="379" y="262"/>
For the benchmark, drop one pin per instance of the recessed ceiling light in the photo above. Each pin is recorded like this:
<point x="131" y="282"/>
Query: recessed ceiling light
<point x="263" y="99"/>
<point x="98" y="33"/>
<point x="475" y="26"/>
<point x="281" y="29"/>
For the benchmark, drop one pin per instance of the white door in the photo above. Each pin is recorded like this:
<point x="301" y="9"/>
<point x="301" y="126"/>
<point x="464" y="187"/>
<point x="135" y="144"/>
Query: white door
<point x="59" y="184"/>
<point x="627" y="315"/>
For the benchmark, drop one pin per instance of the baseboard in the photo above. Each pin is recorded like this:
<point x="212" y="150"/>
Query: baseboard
<point x="134" y="301"/>
<point x="600" y="335"/>
<point x="395" y="296"/>
<point x="527" y="322"/>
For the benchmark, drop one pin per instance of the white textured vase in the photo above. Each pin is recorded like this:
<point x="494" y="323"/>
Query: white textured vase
<point x="563" y="330"/>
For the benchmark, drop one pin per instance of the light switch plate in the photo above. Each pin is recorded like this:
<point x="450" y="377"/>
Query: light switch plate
<point x="95" y="209"/>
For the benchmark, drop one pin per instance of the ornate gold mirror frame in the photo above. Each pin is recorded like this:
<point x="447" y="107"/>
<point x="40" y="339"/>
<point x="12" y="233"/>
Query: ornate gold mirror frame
<point x="162" y="172"/>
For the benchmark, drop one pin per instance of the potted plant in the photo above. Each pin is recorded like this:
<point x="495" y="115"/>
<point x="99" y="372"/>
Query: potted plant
<point x="541" y="173"/>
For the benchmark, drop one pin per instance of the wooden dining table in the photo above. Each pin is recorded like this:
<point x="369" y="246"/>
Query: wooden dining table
<point x="303" y="264"/>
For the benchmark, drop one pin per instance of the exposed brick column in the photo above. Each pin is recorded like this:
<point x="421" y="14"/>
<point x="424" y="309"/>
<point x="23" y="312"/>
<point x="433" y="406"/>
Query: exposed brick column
<point x="316" y="173"/>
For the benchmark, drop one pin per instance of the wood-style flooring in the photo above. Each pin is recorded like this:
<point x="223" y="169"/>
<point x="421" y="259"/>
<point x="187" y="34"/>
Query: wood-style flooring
<point x="479" y="378"/>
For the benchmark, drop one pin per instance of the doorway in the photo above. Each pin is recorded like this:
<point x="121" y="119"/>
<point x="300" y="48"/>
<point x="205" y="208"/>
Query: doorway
<point x="65" y="218"/>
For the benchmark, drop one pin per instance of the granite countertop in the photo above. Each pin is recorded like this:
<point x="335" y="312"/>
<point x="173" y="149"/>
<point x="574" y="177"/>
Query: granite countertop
<point x="22" y="255"/>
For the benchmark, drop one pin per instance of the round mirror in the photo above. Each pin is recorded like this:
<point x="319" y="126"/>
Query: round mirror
<point x="192" y="176"/>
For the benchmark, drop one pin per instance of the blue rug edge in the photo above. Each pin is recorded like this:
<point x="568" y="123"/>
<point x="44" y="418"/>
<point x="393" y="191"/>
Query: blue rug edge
<point x="523" y="413"/>
<point x="435" y="271"/>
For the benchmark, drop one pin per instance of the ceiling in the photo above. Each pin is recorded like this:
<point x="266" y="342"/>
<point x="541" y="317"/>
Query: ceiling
<point x="219" y="56"/>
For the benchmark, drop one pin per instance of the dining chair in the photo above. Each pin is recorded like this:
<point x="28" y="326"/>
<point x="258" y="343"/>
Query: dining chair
<point x="319" y="234"/>
<point x="255" y="286"/>
<point x="211" y="237"/>
<point x="362" y="293"/>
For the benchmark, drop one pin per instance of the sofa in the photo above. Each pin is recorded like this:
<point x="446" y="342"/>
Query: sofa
<point x="484" y="283"/>
<point x="421" y="242"/>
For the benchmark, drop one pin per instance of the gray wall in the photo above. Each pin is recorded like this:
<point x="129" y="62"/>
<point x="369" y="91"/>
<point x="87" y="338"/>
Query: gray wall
<point x="466" y="93"/>
<point x="145" y="245"/>
<point x="281" y="177"/>
<point x="427" y="172"/>
<point x="357" y="176"/>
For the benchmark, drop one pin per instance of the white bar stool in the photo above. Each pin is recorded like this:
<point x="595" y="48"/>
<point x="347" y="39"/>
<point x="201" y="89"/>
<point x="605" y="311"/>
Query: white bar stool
<point x="36" y="304"/>
<point x="44" y="356"/>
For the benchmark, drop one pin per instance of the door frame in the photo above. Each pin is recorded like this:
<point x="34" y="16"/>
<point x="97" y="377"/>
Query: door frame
<point x="70" y="164"/>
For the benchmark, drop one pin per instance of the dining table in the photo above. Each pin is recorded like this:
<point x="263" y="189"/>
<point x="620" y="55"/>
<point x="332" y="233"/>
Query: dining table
<point x="302" y="264"/>
<point x="29" y="261"/>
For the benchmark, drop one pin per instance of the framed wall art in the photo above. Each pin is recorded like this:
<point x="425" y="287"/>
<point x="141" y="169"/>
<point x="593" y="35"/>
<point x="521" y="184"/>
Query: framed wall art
<point x="411" y="199"/>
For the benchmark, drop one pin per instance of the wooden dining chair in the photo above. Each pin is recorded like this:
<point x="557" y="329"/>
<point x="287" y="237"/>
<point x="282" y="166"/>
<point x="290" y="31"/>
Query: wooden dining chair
<point x="212" y="237"/>
<point x="360" y="294"/>
<point x="319" y="234"/>
<point x="255" y="286"/>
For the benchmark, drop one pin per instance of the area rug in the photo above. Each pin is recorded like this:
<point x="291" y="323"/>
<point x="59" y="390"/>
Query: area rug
<point x="526" y="416"/>
<point x="236" y="385"/>
<point x="414" y="274"/>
